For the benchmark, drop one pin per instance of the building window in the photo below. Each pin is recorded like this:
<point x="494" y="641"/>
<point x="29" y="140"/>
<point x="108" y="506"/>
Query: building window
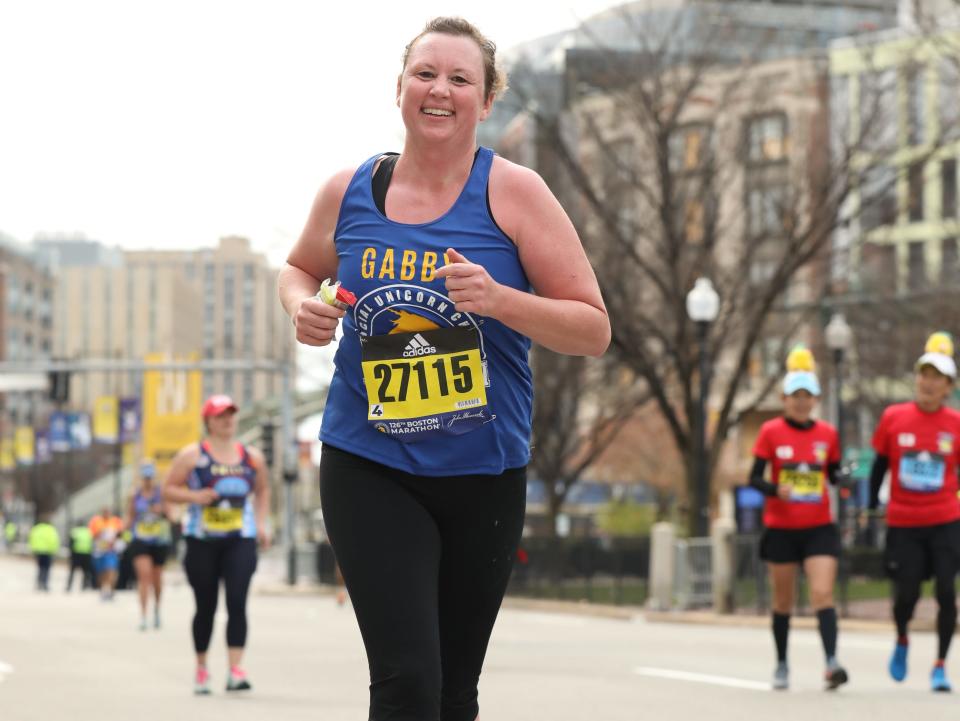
<point x="950" y="263"/>
<point x="767" y="139"/>
<point x="915" y="190"/>
<point x="878" y="197"/>
<point x="13" y="294"/>
<point x="878" y="126"/>
<point x="878" y="267"/>
<point x="913" y="79"/>
<point x="840" y="109"/>
<point x="770" y="361"/>
<point x="247" y="388"/>
<point x="13" y="344"/>
<point x="948" y="186"/>
<point x="130" y="301"/>
<point x="766" y="210"/>
<point x="689" y="148"/>
<point x="949" y="100"/>
<point x="152" y="310"/>
<point x="916" y="267"/>
<point x="693" y="220"/>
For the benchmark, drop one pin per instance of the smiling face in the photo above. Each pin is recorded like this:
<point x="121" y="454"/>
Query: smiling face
<point x="933" y="388"/>
<point x="798" y="406"/>
<point x="440" y="92"/>
<point x="223" y="425"/>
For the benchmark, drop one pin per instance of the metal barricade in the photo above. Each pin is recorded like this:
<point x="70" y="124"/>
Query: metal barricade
<point x="693" y="576"/>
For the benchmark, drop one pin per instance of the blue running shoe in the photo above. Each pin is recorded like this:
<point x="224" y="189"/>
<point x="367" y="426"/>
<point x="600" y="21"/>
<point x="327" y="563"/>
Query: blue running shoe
<point x="781" y="677"/>
<point x="898" y="662"/>
<point x="938" y="680"/>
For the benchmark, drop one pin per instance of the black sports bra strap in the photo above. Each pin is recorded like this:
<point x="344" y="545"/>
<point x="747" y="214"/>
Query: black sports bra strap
<point x="381" y="180"/>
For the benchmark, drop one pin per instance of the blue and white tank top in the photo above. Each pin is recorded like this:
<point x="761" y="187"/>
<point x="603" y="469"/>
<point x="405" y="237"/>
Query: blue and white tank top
<point x="419" y="386"/>
<point x="148" y="526"/>
<point x="232" y="514"/>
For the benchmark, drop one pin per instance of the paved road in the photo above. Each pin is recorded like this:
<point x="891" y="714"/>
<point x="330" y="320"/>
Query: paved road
<point x="74" y="657"/>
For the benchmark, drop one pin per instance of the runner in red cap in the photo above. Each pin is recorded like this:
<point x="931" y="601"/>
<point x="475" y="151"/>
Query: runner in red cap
<point x="217" y="404"/>
<point x="227" y="487"/>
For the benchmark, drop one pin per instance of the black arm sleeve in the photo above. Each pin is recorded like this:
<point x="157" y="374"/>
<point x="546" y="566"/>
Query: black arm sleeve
<point x="877" y="472"/>
<point x="757" y="481"/>
<point x="836" y="477"/>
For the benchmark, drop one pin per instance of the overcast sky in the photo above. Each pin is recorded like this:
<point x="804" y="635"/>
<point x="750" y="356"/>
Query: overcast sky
<point x="169" y="124"/>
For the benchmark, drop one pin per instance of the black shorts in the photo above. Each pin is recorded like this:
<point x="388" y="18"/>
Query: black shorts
<point x="157" y="551"/>
<point x="795" y="545"/>
<point x="916" y="548"/>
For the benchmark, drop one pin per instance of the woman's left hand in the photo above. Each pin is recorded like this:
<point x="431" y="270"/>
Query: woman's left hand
<point x="263" y="536"/>
<point x="470" y="286"/>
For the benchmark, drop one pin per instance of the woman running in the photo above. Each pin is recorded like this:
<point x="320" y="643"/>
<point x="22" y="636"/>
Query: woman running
<point x="227" y="488"/>
<point x="803" y="454"/>
<point x="148" y="517"/>
<point x="458" y="259"/>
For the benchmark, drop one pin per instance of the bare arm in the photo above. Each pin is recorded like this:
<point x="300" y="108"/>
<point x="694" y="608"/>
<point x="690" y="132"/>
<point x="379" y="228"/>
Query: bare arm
<point x="312" y="259"/>
<point x="128" y="520"/>
<point x="175" y="486"/>
<point x="566" y="312"/>
<point x="261" y="494"/>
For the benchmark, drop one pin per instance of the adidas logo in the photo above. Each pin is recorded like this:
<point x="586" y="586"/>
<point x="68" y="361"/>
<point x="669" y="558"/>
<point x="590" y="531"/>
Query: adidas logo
<point x="418" y="346"/>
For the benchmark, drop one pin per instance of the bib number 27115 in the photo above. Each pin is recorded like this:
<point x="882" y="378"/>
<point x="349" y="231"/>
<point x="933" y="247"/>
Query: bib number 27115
<point x="425" y="384"/>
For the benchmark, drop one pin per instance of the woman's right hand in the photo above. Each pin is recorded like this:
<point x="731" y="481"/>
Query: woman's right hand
<point x="316" y="322"/>
<point x="205" y="496"/>
<point x="784" y="491"/>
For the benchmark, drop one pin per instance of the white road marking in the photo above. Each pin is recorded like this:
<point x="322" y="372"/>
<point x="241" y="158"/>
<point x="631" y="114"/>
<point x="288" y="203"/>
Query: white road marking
<point x="701" y="678"/>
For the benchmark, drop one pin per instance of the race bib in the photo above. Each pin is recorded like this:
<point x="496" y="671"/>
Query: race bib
<point x="152" y="529"/>
<point x="426" y="384"/>
<point x="922" y="472"/>
<point x="807" y="483"/>
<point x="222" y="520"/>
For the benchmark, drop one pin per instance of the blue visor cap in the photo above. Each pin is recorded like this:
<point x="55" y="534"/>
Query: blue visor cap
<point x="801" y="381"/>
<point x="147" y="470"/>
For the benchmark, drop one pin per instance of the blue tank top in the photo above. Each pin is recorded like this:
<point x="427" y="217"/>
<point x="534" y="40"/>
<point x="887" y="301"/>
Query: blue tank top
<point x="438" y="352"/>
<point x="149" y="527"/>
<point x="232" y="514"/>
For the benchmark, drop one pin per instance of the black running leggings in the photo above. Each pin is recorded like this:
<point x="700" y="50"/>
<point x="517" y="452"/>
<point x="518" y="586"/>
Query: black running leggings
<point x="907" y="587"/>
<point x="207" y="561"/>
<point x="426" y="561"/>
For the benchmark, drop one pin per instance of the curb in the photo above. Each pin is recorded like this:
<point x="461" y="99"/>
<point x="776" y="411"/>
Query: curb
<point x="708" y="618"/>
<point x="577" y="608"/>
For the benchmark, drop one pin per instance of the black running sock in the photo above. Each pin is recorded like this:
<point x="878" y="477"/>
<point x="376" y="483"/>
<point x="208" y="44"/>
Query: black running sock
<point x="781" y="628"/>
<point x="827" y="620"/>
<point x="946" y="623"/>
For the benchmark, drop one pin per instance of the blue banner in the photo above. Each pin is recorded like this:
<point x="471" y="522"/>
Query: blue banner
<point x="42" y="441"/>
<point x="80" y="433"/>
<point x="59" y="433"/>
<point x="129" y="419"/>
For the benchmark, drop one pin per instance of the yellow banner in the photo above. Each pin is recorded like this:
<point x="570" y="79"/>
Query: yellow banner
<point x="106" y="419"/>
<point x="171" y="411"/>
<point x="129" y="454"/>
<point x="23" y="446"/>
<point x="7" y="462"/>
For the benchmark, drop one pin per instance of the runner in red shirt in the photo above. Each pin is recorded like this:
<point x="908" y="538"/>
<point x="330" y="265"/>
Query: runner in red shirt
<point x="919" y="443"/>
<point x="803" y="454"/>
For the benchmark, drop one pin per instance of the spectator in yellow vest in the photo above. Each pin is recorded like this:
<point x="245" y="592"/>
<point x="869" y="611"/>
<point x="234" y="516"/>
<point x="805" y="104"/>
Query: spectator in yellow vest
<point x="44" y="544"/>
<point x="81" y="550"/>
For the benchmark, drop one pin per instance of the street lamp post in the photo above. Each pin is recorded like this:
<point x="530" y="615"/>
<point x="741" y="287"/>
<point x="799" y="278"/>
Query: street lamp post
<point x="839" y="337"/>
<point x="703" y="304"/>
